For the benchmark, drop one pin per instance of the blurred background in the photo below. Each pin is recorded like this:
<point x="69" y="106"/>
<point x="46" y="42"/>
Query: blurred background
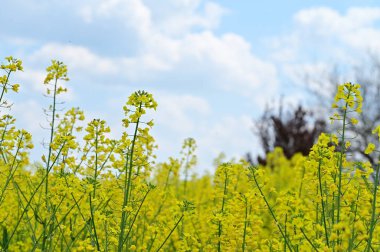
<point x="234" y="75"/>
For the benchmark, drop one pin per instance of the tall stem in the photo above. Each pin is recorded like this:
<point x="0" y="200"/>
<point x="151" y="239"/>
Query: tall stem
<point x="323" y="203"/>
<point x="222" y="211"/>
<point x="171" y="231"/>
<point x="51" y="140"/>
<point x="373" y="216"/>
<point x="245" y="223"/>
<point x="340" y="164"/>
<point x="271" y="210"/>
<point x="127" y="185"/>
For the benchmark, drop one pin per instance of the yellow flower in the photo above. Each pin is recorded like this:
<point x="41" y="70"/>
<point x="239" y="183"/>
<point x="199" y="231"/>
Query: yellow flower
<point x="127" y="209"/>
<point x="354" y="121"/>
<point x="348" y="144"/>
<point x="370" y="148"/>
<point x="15" y="87"/>
<point x="377" y="130"/>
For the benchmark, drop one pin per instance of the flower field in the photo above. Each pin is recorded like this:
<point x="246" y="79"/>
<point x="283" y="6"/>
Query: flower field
<point x="89" y="192"/>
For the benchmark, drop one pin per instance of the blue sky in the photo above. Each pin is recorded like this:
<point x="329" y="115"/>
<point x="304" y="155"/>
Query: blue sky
<point x="212" y="65"/>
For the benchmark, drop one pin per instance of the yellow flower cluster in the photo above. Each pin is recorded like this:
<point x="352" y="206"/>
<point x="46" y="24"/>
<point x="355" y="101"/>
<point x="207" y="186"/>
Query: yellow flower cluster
<point x="95" y="193"/>
<point x="12" y="65"/>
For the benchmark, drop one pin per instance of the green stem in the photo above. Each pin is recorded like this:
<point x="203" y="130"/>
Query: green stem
<point x="308" y="240"/>
<point x="270" y="210"/>
<point x="340" y="164"/>
<point x="51" y="140"/>
<point x="127" y="186"/>
<point x="94" y="190"/>
<point x="373" y="216"/>
<point x="93" y="225"/>
<point x="352" y="238"/>
<point x="96" y="161"/>
<point x="135" y="217"/>
<point x="222" y="211"/>
<point x="171" y="231"/>
<point x="245" y="224"/>
<point x="32" y="196"/>
<point x="323" y="203"/>
<point x="12" y="169"/>
<point x="186" y="172"/>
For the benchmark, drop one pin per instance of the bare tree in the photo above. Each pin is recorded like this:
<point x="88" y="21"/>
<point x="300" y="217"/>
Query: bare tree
<point x="367" y="74"/>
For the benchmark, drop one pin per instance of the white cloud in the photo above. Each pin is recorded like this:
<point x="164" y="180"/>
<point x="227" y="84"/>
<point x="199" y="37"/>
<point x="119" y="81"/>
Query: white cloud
<point x="327" y="21"/>
<point x="230" y="134"/>
<point x="181" y="38"/>
<point x="324" y="32"/>
<point x="227" y="57"/>
<point x="184" y="20"/>
<point x="226" y="61"/>
<point x="76" y="57"/>
<point x="32" y="80"/>
<point x="83" y="62"/>
<point x="29" y="113"/>
<point x="179" y="113"/>
<point x="171" y="18"/>
<point x="324" y="40"/>
<point x="19" y="41"/>
<point x="306" y="72"/>
<point x="231" y="58"/>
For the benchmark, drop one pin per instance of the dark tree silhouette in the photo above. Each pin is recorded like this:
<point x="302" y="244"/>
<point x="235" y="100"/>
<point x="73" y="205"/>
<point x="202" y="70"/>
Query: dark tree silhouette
<point x="294" y="134"/>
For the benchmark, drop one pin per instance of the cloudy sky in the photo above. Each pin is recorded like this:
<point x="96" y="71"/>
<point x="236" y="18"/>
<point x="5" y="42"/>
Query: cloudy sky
<point x="211" y="65"/>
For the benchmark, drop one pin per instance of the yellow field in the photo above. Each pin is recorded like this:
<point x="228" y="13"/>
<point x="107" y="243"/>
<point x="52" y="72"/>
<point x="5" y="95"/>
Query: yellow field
<point x="93" y="193"/>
